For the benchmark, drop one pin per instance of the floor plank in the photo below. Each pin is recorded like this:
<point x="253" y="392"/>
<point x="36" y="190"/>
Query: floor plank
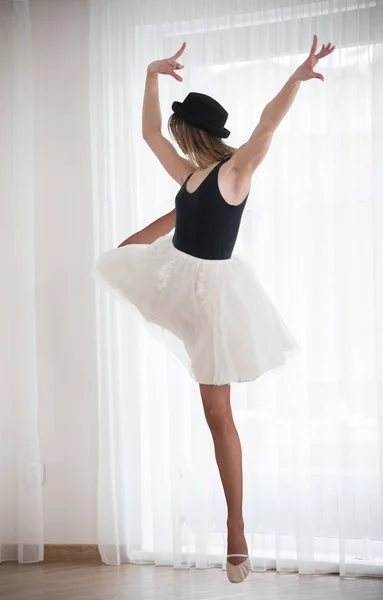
<point x="85" y="581"/>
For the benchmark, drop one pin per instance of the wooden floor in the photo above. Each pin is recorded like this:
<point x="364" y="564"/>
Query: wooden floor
<point x="85" y="581"/>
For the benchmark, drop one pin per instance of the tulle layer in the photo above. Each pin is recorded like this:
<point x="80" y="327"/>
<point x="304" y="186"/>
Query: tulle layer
<point x="214" y="315"/>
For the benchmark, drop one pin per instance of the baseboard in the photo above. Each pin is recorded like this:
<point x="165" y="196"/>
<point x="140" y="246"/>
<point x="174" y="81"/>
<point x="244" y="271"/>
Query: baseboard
<point x="71" y="553"/>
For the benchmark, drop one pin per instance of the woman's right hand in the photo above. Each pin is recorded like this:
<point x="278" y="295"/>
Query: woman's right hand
<point x="167" y="66"/>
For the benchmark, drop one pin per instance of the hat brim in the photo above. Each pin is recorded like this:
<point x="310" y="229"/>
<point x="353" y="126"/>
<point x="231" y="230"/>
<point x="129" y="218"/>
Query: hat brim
<point x="179" y="110"/>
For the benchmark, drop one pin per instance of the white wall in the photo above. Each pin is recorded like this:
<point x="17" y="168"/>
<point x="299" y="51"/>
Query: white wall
<point x="64" y="234"/>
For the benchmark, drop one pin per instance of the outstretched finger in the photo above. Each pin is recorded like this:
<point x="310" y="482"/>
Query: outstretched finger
<point x="325" y="51"/>
<point x="314" y="45"/>
<point x="174" y="64"/>
<point x="318" y="76"/>
<point x="175" y="75"/>
<point x="177" y="54"/>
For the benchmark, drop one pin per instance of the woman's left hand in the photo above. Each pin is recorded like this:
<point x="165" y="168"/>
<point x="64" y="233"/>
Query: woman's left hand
<point x="306" y="70"/>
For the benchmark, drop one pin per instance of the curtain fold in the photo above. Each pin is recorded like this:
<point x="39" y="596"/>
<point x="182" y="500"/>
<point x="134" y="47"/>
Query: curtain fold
<point x="311" y="433"/>
<point x="21" y="523"/>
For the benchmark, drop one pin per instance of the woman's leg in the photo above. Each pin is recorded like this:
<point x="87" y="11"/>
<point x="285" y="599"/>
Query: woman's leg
<point x="228" y="453"/>
<point x="154" y="230"/>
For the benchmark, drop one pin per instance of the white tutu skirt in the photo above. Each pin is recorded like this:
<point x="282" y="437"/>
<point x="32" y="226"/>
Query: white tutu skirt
<point x="214" y="315"/>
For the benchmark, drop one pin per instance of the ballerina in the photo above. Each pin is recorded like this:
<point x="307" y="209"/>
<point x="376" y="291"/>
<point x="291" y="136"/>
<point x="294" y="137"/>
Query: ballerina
<point x="189" y="285"/>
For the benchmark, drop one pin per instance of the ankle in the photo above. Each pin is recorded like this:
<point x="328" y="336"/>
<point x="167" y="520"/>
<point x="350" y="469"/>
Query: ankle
<point x="235" y="525"/>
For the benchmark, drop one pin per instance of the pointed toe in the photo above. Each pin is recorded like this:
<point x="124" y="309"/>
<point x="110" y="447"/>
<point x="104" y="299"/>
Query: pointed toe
<point x="237" y="573"/>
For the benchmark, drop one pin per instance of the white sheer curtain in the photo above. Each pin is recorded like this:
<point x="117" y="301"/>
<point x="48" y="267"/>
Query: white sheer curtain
<point x="21" y="536"/>
<point x="311" y="433"/>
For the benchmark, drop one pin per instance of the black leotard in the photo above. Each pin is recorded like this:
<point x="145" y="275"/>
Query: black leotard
<point x="206" y="225"/>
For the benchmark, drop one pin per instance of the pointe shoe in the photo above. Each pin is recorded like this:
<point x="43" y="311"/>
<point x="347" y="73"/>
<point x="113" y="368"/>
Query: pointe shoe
<point x="237" y="573"/>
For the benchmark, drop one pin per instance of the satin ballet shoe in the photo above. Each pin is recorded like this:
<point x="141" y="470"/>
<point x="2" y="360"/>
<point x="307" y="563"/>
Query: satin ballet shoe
<point x="237" y="573"/>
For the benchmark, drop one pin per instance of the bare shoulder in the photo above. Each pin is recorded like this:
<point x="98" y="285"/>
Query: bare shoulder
<point x="186" y="169"/>
<point x="177" y="166"/>
<point x="234" y="181"/>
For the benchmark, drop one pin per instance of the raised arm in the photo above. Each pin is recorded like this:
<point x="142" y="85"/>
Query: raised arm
<point x="249" y="156"/>
<point x="177" y="166"/>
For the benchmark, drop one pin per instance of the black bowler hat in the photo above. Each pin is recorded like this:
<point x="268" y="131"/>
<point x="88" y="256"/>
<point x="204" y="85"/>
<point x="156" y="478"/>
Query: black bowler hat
<point x="203" y="112"/>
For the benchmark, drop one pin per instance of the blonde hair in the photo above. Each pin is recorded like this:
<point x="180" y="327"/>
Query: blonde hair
<point x="200" y="147"/>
